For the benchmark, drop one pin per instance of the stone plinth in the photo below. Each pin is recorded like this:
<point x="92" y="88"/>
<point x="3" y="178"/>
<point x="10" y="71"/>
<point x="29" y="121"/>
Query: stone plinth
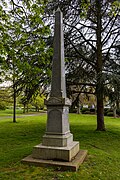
<point x="61" y="165"/>
<point x="57" y="116"/>
<point x="56" y="153"/>
<point x="57" y="140"/>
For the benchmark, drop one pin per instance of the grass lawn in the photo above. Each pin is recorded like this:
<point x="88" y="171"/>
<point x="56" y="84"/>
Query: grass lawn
<point x="9" y="112"/>
<point x="17" y="141"/>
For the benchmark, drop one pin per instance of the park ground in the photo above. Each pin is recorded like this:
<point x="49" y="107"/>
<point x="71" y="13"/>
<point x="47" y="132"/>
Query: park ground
<point x="17" y="141"/>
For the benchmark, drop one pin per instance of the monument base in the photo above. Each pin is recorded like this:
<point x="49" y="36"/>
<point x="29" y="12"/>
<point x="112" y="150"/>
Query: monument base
<point x="56" y="153"/>
<point x="72" y="166"/>
<point x="57" y="140"/>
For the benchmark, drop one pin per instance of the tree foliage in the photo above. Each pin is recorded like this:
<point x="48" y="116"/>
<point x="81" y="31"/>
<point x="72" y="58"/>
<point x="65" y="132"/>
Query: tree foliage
<point x="25" y="45"/>
<point x="25" y="56"/>
<point x="91" y="32"/>
<point x="38" y="102"/>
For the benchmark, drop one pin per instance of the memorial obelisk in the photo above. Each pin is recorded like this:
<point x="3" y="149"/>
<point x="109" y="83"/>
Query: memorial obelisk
<point x="57" y="143"/>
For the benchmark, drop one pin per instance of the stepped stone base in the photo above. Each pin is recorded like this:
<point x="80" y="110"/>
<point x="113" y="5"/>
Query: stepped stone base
<point x="72" y="166"/>
<point x="58" y="153"/>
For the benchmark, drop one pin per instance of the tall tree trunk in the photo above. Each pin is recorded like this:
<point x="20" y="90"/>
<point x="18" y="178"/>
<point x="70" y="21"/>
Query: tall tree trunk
<point x="27" y="108"/>
<point x="14" y="95"/>
<point x="114" y="109"/>
<point x="36" y="109"/>
<point x="99" y="87"/>
<point x="14" y="104"/>
<point x="24" y="109"/>
<point x="78" y="111"/>
<point x="100" y="111"/>
<point x="74" y="103"/>
<point x="118" y="104"/>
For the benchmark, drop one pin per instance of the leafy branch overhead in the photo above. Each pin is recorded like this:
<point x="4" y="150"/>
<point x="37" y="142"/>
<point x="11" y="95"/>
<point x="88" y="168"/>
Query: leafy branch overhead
<point x="92" y="33"/>
<point x="25" y="45"/>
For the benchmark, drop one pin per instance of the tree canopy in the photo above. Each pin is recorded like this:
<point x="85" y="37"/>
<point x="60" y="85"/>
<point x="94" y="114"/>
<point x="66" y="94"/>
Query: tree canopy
<point x="91" y="34"/>
<point x="91" y="30"/>
<point x="24" y="54"/>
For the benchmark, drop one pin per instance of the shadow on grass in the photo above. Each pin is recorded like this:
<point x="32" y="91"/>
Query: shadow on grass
<point x="94" y="141"/>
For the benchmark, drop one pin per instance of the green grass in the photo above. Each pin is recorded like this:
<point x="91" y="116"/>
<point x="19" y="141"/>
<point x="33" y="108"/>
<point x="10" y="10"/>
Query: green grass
<point x="17" y="141"/>
<point x="9" y="112"/>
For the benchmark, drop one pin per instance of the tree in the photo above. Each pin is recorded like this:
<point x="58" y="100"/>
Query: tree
<point x="5" y="98"/>
<point x="91" y="31"/>
<point x="38" y="102"/>
<point x="26" y="54"/>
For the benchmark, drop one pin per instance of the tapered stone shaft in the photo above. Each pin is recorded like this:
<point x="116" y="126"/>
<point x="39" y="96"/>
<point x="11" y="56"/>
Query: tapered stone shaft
<point x="58" y="87"/>
<point x="58" y="104"/>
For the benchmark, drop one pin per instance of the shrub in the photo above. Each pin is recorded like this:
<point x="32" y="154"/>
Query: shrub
<point x="92" y="110"/>
<point x="118" y="112"/>
<point x="73" y="110"/>
<point x="107" y="110"/>
<point x="110" y="114"/>
<point x="83" y="110"/>
<point x="87" y="112"/>
<point x="2" y="106"/>
<point x="45" y="108"/>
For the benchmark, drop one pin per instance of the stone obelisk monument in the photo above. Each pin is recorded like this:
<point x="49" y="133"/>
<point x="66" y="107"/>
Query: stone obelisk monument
<point x="57" y="144"/>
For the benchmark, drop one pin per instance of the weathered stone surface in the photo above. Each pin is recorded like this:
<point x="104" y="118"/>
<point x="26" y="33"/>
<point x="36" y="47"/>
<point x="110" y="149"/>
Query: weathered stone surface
<point x="57" y="120"/>
<point x="57" y="101"/>
<point x="72" y="166"/>
<point x="57" y="140"/>
<point x="59" y="153"/>
<point x="58" y="104"/>
<point x="58" y="86"/>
